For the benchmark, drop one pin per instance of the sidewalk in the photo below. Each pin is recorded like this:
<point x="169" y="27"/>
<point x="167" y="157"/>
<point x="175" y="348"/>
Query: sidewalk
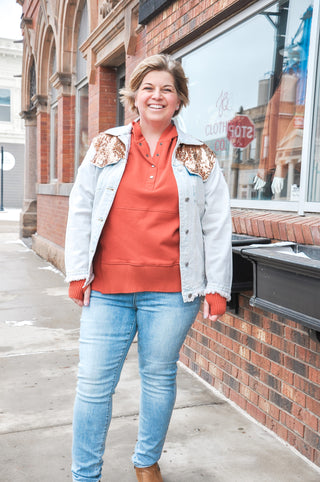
<point x="208" y="440"/>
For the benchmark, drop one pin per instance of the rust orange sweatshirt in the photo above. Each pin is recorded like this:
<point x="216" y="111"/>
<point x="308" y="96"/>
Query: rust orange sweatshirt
<point x="139" y="246"/>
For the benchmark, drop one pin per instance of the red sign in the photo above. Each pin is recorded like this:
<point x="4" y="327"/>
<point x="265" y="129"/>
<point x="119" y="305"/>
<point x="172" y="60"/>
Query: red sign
<point x="240" y="131"/>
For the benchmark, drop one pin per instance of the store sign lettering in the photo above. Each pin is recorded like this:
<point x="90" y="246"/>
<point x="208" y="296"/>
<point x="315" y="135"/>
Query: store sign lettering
<point x="216" y="128"/>
<point x="220" y="144"/>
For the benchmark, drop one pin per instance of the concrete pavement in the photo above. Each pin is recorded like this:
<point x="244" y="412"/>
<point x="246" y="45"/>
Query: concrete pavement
<point x="209" y="440"/>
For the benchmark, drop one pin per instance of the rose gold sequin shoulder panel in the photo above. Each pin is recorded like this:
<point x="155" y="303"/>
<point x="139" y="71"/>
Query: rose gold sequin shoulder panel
<point x="197" y="159"/>
<point x="109" y="150"/>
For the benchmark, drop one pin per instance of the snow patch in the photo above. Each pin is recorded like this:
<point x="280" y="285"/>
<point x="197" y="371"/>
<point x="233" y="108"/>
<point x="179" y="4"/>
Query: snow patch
<point x="20" y="323"/>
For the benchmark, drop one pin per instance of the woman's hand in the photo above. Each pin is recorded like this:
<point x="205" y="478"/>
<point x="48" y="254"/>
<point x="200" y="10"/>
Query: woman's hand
<point x="86" y="298"/>
<point x="206" y="314"/>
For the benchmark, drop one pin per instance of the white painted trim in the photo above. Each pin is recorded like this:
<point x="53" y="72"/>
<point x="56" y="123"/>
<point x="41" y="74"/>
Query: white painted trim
<point x="309" y="109"/>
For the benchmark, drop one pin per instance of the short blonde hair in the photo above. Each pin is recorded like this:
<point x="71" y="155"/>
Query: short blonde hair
<point x="160" y="62"/>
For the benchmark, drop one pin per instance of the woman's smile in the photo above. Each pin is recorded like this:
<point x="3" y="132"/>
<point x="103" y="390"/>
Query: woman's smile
<point x="157" y="99"/>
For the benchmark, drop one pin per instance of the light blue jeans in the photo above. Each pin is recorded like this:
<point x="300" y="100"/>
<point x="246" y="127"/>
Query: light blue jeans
<point x="108" y="327"/>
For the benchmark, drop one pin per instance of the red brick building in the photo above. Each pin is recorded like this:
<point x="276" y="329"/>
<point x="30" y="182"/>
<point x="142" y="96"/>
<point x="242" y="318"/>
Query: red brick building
<point x="254" y="62"/>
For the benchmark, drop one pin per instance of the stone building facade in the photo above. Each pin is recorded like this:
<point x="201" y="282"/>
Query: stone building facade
<point x="252" y="62"/>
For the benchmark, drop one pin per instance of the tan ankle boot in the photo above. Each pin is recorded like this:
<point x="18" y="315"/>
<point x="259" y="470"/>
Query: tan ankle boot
<point x="149" y="474"/>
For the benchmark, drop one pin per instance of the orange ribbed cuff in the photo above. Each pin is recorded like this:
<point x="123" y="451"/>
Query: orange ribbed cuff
<point x="75" y="289"/>
<point x="217" y="304"/>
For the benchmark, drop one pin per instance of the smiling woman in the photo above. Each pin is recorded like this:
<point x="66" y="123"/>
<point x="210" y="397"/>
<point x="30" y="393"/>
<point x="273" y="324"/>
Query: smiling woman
<point x="149" y="232"/>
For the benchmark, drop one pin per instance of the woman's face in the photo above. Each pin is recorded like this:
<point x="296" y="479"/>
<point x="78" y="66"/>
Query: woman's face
<point x="157" y="99"/>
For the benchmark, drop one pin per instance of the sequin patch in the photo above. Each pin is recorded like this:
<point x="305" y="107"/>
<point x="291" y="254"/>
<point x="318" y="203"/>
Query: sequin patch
<point x="109" y="150"/>
<point x="197" y="159"/>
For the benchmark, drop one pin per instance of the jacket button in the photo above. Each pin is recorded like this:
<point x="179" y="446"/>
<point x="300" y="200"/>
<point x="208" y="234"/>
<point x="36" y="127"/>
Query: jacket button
<point x="189" y="295"/>
<point x="187" y="231"/>
<point x="186" y="265"/>
<point x="187" y="199"/>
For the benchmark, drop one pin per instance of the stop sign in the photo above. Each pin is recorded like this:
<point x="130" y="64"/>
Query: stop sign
<point x="240" y="131"/>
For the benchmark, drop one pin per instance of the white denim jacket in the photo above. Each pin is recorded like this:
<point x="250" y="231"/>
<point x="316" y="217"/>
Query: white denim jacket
<point x="205" y="220"/>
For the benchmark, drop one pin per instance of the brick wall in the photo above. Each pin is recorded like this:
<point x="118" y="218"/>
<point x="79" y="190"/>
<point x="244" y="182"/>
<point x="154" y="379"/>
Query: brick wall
<point x="183" y="20"/>
<point x="52" y="218"/>
<point x="267" y="365"/>
<point x="43" y="147"/>
<point x="277" y="226"/>
<point x="66" y="138"/>
<point x="102" y="101"/>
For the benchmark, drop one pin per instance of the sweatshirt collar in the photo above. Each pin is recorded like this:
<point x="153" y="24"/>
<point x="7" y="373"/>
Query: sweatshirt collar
<point x="124" y="133"/>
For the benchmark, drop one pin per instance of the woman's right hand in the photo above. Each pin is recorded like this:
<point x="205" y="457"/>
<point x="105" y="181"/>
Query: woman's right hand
<point x="86" y="298"/>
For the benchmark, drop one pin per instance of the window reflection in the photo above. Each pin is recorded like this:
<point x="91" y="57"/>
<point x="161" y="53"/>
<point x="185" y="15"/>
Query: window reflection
<point x="314" y="175"/>
<point x="248" y="104"/>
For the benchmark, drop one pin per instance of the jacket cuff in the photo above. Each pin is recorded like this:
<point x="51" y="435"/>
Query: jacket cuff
<point x="76" y="290"/>
<point x="217" y="304"/>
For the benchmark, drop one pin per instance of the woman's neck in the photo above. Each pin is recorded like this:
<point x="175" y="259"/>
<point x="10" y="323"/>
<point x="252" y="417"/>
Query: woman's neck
<point x="152" y="134"/>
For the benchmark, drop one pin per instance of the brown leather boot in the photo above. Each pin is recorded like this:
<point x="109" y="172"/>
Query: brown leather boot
<point x="149" y="474"/>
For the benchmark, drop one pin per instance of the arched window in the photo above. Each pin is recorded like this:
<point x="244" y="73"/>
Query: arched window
<point x="32" y="85"/>
<point x="53" y="98"/>
<point x="81" y="132"/>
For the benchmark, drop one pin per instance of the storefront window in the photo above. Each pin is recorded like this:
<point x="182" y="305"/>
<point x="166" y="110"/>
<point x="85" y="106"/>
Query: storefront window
<point x="81" y="122"/>
<point x="248" y="102"/>
<point x="53" y="120"/>
<point x="314" y="172"/>
<point x="4" y="105"/>
<point x="81" y="134"/>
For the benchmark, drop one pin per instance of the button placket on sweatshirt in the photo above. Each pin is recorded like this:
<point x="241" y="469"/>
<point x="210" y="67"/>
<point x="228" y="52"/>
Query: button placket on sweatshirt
<point x="152" y="171"/>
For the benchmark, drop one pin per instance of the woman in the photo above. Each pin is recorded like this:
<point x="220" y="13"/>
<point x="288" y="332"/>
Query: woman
<point x="148" y="234"/>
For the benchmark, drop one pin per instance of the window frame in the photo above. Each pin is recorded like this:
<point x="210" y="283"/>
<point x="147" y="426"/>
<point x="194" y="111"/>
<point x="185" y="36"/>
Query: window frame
<point x="84" y="82"/>
<point x="302" y="206"/>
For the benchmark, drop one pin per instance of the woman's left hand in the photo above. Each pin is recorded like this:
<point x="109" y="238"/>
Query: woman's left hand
<point x="206" y="314"/>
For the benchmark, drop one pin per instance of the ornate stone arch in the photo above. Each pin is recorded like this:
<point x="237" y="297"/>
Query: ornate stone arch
<point x="44" y="55"/>
<point x="69" y="19"/>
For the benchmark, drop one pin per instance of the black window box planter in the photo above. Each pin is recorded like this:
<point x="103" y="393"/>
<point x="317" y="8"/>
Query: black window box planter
<point x="286" y="280"/>
<point x="242" y="268"/>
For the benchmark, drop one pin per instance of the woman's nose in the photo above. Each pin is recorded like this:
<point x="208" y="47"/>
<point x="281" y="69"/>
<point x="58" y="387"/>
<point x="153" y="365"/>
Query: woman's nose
<point x="157" y="93"/>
